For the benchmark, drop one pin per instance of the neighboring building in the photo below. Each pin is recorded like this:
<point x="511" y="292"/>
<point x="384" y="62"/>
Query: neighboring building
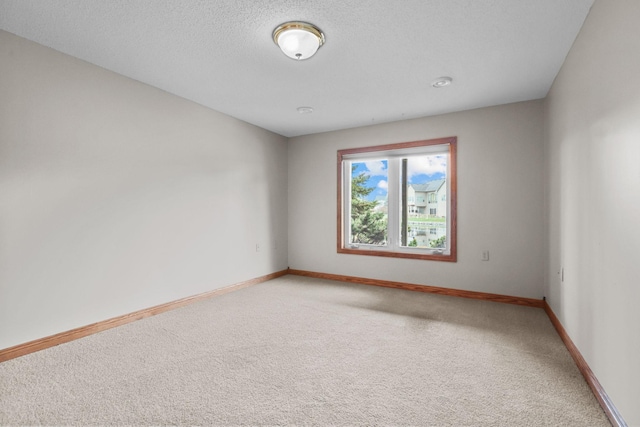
<point x="428" y="199"/>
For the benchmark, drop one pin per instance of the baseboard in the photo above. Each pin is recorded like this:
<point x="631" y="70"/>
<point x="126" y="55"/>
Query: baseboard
<point x="607" y="405"/>
<point x="83" y="331"/>
<point x="529" y="302"/>
<point x="40" y="344"/>
<point x="605" y="402"/>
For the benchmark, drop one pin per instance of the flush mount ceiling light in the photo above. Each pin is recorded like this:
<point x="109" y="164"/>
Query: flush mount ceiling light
<point x="442" y="82"/>
<point x="298" y="40"/>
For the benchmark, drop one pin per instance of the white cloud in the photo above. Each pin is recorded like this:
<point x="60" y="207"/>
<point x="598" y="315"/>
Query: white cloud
<point x="376" y="168"/>
<point x="427" y="165"/>
<point x="383" y="184"/>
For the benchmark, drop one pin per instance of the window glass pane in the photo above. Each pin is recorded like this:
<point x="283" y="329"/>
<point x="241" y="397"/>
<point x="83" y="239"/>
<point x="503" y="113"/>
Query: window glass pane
<point x="399" y="200"/>
<point x="369" y="203"/>
<point x="423" y="206"/>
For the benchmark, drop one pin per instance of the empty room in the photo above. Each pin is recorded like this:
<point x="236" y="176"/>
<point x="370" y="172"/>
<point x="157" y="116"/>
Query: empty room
<point x="292" y="212"/>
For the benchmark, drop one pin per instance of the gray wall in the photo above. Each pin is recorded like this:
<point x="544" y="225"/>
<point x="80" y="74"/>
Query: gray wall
<point x="500" y="201"/>
<point x="116" y="196"/>
<point x="593" y="193"/>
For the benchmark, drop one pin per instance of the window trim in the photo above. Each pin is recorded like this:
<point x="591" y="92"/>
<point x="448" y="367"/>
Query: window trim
<point x="452" y="199"/>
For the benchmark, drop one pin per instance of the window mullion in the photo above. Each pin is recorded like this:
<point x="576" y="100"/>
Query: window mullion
<point x="346" y="212"/>
<point x="393" y="202"/>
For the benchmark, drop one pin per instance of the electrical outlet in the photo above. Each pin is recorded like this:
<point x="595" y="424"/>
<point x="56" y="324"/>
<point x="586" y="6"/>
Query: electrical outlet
<point x="485" y="255"/>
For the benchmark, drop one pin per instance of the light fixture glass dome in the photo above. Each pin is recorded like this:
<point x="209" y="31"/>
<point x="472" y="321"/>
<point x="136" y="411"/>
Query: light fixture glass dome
<point x="298" y="40"/>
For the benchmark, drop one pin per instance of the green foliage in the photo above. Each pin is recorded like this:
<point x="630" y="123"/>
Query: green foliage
<point x="439" y="243"/>
<point x="414" y="242"/>
<point x="367" y="226"/>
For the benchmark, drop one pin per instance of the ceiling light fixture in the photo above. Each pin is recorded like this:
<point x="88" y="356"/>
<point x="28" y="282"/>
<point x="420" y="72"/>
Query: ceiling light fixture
<point x="442" y="82"/>
<point x="298" y="40"/>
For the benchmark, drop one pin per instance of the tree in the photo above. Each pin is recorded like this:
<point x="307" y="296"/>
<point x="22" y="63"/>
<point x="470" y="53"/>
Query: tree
<point x="367" y="226"/>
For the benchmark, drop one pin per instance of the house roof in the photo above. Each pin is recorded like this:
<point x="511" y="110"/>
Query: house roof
<point x="428" y="187"/>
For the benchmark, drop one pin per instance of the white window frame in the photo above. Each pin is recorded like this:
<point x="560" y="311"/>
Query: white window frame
<point x="393" y="153"/>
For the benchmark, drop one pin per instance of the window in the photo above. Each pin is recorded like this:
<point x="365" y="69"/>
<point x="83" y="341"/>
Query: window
<point x="380" y="193"/>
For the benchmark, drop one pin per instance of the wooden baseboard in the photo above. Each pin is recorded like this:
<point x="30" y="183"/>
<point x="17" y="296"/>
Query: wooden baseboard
<point x="605" y="402"/>
<point x="529" y="302"/>
<point x="40" y="344"/>
<point x="607" y="405"/>
<point x="83" y="331"/>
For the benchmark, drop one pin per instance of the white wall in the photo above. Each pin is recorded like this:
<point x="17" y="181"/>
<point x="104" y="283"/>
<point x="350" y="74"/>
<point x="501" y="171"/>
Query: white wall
<point x="593" y="193"/>
<point x="116" y="196"/>
<point x="500" y="201"/>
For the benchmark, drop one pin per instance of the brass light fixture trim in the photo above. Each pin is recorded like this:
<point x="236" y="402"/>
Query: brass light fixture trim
<point x="298" y="40"/>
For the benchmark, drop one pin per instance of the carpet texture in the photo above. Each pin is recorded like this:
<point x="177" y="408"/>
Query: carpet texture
<point x="300" y="351"/>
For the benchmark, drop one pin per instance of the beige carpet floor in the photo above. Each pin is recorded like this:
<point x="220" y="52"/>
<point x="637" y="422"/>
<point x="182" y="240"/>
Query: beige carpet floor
<point x="299" y="351"/>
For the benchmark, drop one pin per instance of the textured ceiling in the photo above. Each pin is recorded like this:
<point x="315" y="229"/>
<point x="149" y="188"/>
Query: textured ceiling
<point x="377" y="65"/>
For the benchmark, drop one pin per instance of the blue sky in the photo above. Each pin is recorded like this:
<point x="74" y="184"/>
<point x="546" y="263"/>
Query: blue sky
<point x="420" y="170"/>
